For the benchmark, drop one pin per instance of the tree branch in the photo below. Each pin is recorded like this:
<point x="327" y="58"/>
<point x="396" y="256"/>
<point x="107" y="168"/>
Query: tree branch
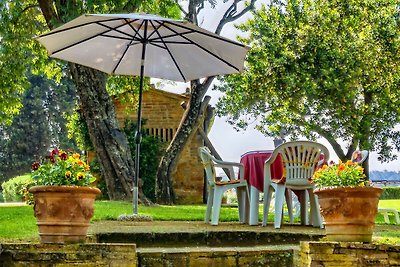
<point x="201" y="6"/>
<point x="130" y="7"/>
<point x="48" y="11"/>
<point x="181" y="8"/>
<point x="328" y="136"/>
<point x="230" y="14"/>
<point x="28" y="7"/>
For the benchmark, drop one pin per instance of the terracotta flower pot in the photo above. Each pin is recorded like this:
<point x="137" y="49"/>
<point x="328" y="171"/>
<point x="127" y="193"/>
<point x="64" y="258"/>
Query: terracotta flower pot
<point x="63" y="213"/>
<point x="349" y="212"/>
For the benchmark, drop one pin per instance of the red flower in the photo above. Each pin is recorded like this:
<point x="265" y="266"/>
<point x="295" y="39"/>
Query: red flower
<point x="55" y="152"/>
<point x="63" y="156"/>
<point x="52" y="159"/>
<point x="35" y="166"/>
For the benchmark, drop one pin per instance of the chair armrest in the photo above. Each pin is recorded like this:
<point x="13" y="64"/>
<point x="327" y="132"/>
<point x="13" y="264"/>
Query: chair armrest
<point x="230" y="165"/>
<point x="272" y="157"/>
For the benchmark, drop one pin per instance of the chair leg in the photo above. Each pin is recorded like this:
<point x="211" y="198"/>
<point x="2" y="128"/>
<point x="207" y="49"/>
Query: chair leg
<point x="289" y="203"/>
<point x="279" y="198"/>
<point x="267" y="202"/>
<point x="315" y="215"/>
<point x="301" y="194"/>
<point x="210" y="199"/>
<point x="218" y="193"/>
<point x="241" y="196"/>
<point x="254" y="205"/>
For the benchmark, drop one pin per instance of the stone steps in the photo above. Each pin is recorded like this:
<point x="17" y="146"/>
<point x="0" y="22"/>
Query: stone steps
<point x="189" y="244"/>
<point x="205" y="238"/>
<point x="212" y="248"/>
<point x="272" y="255"/>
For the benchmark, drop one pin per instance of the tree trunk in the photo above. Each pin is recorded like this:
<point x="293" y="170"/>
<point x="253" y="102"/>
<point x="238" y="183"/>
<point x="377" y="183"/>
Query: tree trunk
<point x="99" y="112"/>
<point x="110" y="142"/>
<point x="164" y="189"/>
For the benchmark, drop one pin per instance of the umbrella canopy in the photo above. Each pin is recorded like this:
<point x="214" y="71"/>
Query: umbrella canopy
<point x="144" y="45"/>
<point x="175" y="49"/>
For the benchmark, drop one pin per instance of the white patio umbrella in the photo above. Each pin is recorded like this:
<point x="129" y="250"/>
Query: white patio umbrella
<point x="145" y="45"/>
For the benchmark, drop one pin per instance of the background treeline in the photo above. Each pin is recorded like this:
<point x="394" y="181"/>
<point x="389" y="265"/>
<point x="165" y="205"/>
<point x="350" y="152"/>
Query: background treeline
<point x="40" y="125"/>
<point x="384" y="176"/>
<point x="49" y="120"/>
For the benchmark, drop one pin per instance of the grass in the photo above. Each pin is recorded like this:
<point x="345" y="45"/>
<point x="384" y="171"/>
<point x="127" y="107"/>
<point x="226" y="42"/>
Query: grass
<point x="110" y="210"/>
<point x="18" y="224"/>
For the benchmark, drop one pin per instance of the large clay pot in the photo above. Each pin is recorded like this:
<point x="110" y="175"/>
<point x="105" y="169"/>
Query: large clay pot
<point x="63" y="213"/>
<point x="349" y="212"/>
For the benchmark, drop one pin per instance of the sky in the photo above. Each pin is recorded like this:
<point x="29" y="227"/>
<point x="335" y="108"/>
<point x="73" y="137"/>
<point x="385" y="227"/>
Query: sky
<point x="231" y="144"/>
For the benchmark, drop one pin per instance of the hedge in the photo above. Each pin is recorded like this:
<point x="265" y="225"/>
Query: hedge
<point x="391" y="192"/>
<point x="14" y="189"/>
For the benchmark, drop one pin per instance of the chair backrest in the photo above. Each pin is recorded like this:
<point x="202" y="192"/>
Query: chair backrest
<point x="208" y="163"/>
<point x="359" y="156"/>
<point x="300" y="160"/>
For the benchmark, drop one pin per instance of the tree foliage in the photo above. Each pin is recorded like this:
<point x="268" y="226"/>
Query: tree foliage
<point x="22" y="20"/>
<point x="38" y="127"/>
<point x="322" y="69"/>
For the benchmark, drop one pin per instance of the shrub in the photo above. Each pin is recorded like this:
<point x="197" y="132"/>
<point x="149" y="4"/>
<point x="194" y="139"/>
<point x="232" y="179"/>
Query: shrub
<point x="15" y="188"/>
<point x="151" y="151"/>
<point x="391" y="192"/>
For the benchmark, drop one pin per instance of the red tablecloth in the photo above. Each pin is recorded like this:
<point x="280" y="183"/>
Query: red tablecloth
<point x="254" y="168"/>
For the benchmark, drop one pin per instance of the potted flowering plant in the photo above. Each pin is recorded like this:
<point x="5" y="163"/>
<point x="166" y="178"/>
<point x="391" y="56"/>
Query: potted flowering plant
<point x="62" y="168"/>
<point x="63" y="198"/>
<point x="348" y="203"/>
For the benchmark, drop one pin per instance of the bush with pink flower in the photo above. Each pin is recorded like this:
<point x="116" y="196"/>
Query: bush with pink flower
<point x="62" y="168"/>
<point x="342" y="174"/>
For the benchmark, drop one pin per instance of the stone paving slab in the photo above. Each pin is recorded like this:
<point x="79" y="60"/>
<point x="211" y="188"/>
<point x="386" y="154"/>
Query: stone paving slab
<point x="193" y="226"/>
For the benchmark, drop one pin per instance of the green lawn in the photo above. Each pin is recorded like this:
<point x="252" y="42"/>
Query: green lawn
<point x="390" y="204"/>
<point x="18" y="223"/>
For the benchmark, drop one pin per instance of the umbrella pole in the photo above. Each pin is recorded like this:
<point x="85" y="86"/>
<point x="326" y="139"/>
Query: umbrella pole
<point x="138" y="139"/>
<point x="138" y="136"/>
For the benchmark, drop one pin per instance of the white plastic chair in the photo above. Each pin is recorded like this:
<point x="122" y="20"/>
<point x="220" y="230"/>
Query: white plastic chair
<point x="300" y="160"/>
<point x="216" y="189"/>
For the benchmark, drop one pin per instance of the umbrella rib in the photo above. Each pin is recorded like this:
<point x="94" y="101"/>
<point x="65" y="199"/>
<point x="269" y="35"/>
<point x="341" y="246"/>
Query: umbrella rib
<point x="76" y="26"/>
<point x="204" y="49"/>
<point x="109" y="29"/>
<point x="77" y="43"/>
<point x="169" y="52"/>
<point x="116" y="29"/>
<point x="157" y="45"/>
<point x="215" y="36"/>
<point x="170" y="35"/>
<point x="155" y="29"/>
<point x="136" y="30"/>
<point x="120" y="59"/>
<point x="170" y="42"/>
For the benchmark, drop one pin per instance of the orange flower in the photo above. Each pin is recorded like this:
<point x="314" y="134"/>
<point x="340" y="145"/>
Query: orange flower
<point x="341" y="167"/>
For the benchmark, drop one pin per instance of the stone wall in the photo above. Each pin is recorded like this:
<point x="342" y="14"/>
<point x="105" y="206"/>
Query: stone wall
<point x="163" y="112"/>
<point x="224" y="257"/>
<point x="347" y="254"/>
<point x="85" y="255"/>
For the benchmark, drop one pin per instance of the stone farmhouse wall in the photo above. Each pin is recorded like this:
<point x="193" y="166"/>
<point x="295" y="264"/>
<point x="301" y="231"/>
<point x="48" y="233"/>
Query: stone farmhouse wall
<point x="163" y="112"/>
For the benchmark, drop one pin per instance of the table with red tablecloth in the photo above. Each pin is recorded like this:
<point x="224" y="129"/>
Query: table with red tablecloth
<point x="253" y="163"/>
